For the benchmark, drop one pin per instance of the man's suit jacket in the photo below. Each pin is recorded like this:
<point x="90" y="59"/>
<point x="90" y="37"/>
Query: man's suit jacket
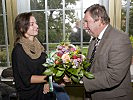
<point x="111" y="67"/>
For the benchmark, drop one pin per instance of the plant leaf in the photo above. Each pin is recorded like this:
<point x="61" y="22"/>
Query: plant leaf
<point x="75" y="79"/>
<point x="81" y="74"/>
<point x="76" y="71"/>
<point x="89" y="75"/>
<point x="70" y="70"/>
<point x="45" y="65"/>
<point x="59" y="73"/>
<point x="60" y="68"/>
<point x="48" y="71"/>
<point x="86" y="65"/>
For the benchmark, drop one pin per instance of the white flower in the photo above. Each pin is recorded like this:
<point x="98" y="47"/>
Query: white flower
<point x="81" y="82"/>
<point x="74" y="67"/>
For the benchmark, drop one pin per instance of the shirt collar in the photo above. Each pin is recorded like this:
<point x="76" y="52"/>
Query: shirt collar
<point x="101" y="34"/>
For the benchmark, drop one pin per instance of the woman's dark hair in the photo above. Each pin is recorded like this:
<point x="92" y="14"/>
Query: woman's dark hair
<point x="98" y="12"/>
<point x="22" y="24"/>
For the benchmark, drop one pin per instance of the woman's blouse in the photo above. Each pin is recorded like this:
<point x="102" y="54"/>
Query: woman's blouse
<point x="23" y="68"/>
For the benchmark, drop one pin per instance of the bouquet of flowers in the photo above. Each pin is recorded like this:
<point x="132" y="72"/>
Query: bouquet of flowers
<point x="68" y="60"/>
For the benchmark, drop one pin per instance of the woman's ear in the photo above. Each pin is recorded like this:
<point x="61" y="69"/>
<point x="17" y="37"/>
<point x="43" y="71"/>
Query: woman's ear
<point x="21" y="30"/>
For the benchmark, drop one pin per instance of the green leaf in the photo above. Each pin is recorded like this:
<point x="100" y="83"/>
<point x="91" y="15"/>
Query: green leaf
<point x="81" y="74"/>
<point x="56" y="79"/>
<point x="60" y="68"/>
<point x="86" y="65"/>
<point x="48" y="71"/>
<point x="45" y="64"/>
<point x="59" y="73"/>
<point x="76" y="71"/>
<point x="67" y="65"/>
<point x="75" y="79"/>
<point x="70" y="70"/>
<point x="89" y="75"/>
<point x="54" y="71"/>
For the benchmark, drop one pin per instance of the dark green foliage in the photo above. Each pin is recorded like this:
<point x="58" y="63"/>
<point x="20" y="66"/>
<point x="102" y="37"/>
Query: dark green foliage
<point x="76" y="36"/>
<point x="131" y="20"/>
<point x="123" y="18"/>
<point x="55" y="19"/>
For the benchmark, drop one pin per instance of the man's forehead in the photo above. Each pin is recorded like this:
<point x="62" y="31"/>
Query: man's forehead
<point x="87" y="15"/>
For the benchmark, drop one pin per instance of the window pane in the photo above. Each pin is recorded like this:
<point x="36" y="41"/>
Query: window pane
<point x="123" y="15"/>
<point x="3" y="55"/>
<point x="37" y="4"/>
<point x="123" y="18"/>
<point x="73" y="4"/>
<point x="55" y="4"/>
<point x="131" y="19"/>
<point x="40" y="17"/>
<point x="0" y="6"/>
<point x="55" y="26"/>
<point x="73" y="26"/>
<point x="75" y="36"/>
<point x="2" y="36"/>
<point x="53" y="46"/>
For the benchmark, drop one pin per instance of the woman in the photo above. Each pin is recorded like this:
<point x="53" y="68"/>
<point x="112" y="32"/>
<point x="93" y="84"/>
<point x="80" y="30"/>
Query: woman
<point x="28" y="56"/>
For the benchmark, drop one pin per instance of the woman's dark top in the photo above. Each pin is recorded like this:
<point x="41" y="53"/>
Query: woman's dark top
<point x="23" y="68"/>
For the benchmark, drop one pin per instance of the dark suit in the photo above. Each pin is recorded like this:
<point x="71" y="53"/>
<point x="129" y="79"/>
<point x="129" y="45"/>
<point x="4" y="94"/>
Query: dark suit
<point x="111" y="67"/>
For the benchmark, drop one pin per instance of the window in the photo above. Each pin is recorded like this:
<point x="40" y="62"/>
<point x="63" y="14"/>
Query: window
<point x="4" y="54"/>
<point x="58" y="20"/>
<point x="127" y="16"/>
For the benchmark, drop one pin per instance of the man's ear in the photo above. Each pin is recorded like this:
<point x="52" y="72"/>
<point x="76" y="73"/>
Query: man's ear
<point x="100" y="22"/>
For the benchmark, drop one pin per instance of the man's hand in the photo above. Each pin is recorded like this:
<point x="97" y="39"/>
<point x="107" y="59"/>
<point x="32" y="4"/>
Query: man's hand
<point x="66" y="79"/>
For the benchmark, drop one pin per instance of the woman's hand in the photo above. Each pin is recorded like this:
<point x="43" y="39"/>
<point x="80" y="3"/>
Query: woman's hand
<point x="46" y="88"/>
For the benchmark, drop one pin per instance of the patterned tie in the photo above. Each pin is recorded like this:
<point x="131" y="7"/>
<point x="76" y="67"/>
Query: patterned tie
<point x="93" y="53"/>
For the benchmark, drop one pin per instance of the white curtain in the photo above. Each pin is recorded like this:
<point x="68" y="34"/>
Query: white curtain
<point x="23" y="6"/>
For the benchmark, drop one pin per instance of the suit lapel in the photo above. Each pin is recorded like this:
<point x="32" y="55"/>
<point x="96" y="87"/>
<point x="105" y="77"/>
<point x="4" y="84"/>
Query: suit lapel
<point x="90" y="49"/>
<point x="102" y="41"/>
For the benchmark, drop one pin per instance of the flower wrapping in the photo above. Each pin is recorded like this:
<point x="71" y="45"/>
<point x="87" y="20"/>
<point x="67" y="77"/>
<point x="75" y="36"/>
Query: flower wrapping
<point x="68" y="60"/>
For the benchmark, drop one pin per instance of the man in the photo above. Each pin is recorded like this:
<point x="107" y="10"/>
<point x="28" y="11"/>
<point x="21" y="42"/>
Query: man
<point x="111" y="59"/>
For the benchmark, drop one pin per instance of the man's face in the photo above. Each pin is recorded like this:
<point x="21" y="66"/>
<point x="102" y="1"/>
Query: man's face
<point x="91" y="25"/>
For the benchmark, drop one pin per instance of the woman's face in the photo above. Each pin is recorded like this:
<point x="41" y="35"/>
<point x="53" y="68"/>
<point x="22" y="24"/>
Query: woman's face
<point x="33" y="28"/>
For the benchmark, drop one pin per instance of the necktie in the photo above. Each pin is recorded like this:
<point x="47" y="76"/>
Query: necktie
<point x="93" y="53"/>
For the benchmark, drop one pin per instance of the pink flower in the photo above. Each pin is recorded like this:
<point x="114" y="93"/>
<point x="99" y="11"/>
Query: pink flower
<point x="72" y="49"/>
<point x="65" y="58"/>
